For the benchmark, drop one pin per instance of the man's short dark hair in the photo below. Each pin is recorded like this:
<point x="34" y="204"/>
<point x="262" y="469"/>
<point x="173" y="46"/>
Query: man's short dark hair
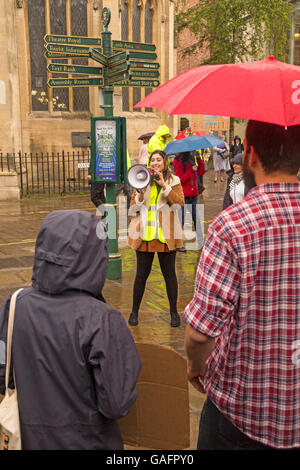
<point x="278" y="147"/>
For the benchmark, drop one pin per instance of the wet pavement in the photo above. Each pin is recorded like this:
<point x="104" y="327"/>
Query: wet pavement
<point x="20" y="223"/>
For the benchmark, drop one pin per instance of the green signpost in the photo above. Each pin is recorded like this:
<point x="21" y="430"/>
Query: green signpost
<point x="75" y="40"/>
<point x="127" y="45"/>
<point x="125" y="64"/>
<point x="144" y="73"/>
<point x="144" y="65"/>
<point x="74" y="82"/>
<point x="121" y="67"/>
<point x="119" y="77"/>
<point x="117" y="58"/>
<point x="65" y="49"/>
<point x="75" y="69"/>
<point x="137" y="83"/>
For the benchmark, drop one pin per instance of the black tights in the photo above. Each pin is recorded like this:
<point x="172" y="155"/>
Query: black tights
<point x="167" y="266"/>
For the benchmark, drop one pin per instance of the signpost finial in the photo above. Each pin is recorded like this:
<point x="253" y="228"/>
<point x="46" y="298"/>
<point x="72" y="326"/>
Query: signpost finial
<point x="105" y="17"/>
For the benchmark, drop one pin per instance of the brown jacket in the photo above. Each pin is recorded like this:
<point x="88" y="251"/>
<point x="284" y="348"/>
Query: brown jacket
<point x="169" y="202"/>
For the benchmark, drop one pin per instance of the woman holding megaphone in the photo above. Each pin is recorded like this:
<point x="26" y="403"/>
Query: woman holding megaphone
<point x="155" y="228"/>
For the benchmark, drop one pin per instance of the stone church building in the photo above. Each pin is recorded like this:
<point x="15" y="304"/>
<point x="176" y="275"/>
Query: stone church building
<point x="37" y="118"/>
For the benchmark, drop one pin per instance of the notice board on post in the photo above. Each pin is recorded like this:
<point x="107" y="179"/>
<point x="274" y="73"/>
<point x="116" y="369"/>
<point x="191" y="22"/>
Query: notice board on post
<point x="108" y="150"/>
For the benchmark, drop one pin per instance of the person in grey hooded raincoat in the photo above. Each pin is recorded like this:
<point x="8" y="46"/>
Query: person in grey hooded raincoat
<point x="75" y="360"/>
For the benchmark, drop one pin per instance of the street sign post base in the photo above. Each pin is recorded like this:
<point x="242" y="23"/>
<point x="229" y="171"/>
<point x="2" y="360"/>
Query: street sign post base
<point x="114" y="269"/>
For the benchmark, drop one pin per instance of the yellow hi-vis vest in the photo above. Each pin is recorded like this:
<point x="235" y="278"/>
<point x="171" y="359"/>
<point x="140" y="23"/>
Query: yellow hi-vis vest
<point x="153" y="229"/>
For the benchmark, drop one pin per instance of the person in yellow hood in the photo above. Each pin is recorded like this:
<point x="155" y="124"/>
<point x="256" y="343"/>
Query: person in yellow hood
<point x="159" y="140"/>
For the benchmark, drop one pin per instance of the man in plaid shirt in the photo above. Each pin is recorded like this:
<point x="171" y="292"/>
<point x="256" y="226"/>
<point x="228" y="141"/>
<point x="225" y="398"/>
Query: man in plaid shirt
<point x="243" y="324"/>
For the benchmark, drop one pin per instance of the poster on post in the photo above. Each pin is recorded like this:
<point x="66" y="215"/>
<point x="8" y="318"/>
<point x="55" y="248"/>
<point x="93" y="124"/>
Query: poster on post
<point x="108" y="149"/>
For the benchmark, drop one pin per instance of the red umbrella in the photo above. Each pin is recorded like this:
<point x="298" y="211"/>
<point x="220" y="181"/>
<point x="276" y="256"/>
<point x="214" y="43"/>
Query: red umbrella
<point x="181" y="134"/>
<point x="199" y="133"/>
<point x="266" y="90"/>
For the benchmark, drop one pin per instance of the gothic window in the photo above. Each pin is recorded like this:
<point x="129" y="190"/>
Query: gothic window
<point x="124" y="37"/>
<point x="58" y="25"/>
<point x="52" y="17"/>
<point x="136" y="16"/>
<point x="136" y="37"/>
<point x="79" y="28"/>
<point x="37" y="30"/>
<point x="148" y="37"/>
<point x="148" y="23"/>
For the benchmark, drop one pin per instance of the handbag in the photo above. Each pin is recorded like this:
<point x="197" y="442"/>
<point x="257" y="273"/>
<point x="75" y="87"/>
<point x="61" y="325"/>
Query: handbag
<point x="10" y="432"/>
<point x="224" y="154"/>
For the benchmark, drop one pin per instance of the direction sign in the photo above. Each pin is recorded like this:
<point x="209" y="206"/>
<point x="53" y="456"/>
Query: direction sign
<point x="142" y="55"/>
<point x="119" y="77"/>
<point x="55" y="55"/>
<point x="74" y="82"/>
<point x="65" y="49"/>
<point x="138" y="46"/>
<point x="75" y="40"/>
<point x="117" y="58"/>
<point x="138" y="83"/>
<point x="144" y="65"/>
<point x="97" y="56"/>
<point x="74" y="69"/>
<point x="121" y="67"/>
<point x="144" y="73"/>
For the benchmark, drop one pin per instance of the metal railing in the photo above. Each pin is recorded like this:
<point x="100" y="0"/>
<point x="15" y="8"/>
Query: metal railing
<point x="48" y="173"/>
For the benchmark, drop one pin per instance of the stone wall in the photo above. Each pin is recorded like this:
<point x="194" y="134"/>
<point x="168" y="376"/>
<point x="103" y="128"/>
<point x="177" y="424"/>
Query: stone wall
<point x="9" y="186"/>
<point x="28" y="131"/>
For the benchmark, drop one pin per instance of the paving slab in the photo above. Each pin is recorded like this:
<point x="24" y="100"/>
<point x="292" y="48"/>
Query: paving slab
<point x="20" y="223"/>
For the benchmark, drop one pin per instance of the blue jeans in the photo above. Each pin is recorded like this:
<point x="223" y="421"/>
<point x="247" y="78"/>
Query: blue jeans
<point x="218" y="433"/>
<point x="190" y="204"/>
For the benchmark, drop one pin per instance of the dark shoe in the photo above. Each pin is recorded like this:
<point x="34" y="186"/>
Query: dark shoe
<point x="133" y="319"/>
<point x="182" y="249"/>
<point x="175" y="319"/>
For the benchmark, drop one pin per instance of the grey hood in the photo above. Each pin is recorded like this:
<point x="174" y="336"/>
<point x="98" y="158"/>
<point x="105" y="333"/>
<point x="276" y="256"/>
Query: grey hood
<point x="71" y="253"/>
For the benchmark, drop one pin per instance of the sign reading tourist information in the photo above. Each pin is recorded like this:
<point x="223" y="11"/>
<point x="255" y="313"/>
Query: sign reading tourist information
<point x="62" y="49"/>
<point x="75" y="40"/>
<point x="74" y="69"/>
<point x="74" y="82"/>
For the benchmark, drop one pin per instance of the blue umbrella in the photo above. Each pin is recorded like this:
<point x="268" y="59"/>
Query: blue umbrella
<point x="194" y="142"/>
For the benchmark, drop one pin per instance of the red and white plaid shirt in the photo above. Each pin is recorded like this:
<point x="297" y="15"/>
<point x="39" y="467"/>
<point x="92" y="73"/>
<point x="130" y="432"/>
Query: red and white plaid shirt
<point x="247" y="296"/>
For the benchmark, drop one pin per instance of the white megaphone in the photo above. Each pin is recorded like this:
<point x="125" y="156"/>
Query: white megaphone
<point x="138" y="176"/>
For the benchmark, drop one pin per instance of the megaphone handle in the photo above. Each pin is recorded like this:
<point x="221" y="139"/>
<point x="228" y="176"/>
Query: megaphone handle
<point x="141" y="193"/>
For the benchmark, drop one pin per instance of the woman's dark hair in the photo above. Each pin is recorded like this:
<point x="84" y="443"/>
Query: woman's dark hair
<point x="278" y="147"/>
<point x="166" y="172"/>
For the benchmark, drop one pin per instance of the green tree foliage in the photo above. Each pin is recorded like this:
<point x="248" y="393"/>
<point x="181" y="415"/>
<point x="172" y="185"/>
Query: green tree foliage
<point x="237" y="30"/>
